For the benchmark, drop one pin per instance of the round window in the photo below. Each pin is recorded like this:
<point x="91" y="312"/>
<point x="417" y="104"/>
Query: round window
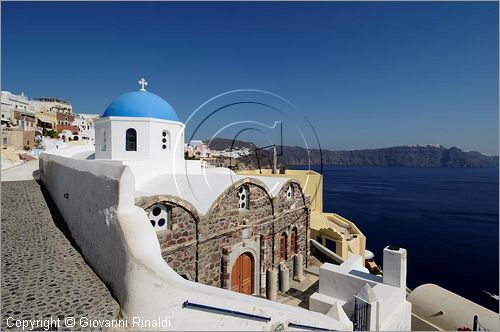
<point x="159" y="216"/>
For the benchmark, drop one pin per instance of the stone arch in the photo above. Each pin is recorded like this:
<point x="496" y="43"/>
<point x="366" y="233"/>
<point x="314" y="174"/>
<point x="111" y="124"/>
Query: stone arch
<point x="245" y="181"/>
<point x="149" y="201"/>
<point x="284" y="188"/>
<point x="179" y="242"/>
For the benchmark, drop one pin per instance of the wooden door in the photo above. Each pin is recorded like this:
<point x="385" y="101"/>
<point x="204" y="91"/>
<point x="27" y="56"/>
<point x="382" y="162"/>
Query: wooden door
<point x="282" y="247"/>
<point x="242" y="274"/>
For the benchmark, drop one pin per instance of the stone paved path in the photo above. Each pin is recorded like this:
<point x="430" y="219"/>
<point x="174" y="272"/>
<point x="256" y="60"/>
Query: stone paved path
<point x="43" y="275"/>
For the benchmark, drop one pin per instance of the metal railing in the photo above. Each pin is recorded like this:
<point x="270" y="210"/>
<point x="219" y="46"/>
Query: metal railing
<point x="246" y="315"/>
<point x="308" y="327"/>
<point x="361" y="316"/>
<point x="198" y="306"/>
<point x="477" y="326"/>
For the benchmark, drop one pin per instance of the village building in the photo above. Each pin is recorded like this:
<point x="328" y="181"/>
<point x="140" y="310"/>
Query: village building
<point x="24" y="119"/>
<point x="85" y="124"/>
<point x="169" y="233"/>
<point x="17" y="111"/>
<point x="18" y="139"/>
<point x="229" y="235"/>
<point x="51" y="112"/>
<point x="18" y="121"/>
<point x="373" y="302"/>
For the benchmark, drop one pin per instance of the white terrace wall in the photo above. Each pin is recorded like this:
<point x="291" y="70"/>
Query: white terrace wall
<point x="96" y="200"/>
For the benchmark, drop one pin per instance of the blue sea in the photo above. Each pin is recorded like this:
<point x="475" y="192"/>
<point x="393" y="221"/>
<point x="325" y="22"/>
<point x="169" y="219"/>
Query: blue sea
<point x="447" y="219"/>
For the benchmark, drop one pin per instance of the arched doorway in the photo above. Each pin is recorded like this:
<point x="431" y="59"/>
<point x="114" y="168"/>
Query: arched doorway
<point x="242" y="274"/>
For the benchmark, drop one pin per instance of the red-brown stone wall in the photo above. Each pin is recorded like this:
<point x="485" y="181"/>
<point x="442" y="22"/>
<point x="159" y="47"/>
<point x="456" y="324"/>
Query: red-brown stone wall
<point x="178" y="242"/>
<point x="226" y="225"/>
<point x="199" y="246"/>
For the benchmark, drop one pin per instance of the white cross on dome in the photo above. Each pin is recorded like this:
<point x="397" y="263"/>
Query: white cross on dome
<point x="143" y="84"/>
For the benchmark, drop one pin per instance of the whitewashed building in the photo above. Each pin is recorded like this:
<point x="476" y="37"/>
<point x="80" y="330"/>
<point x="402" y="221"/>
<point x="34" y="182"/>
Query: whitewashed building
<point x="85" y="123"/>
<point x="171" y="237"/>
<point x="16" y="110"/>
<point x="373" y="302"/>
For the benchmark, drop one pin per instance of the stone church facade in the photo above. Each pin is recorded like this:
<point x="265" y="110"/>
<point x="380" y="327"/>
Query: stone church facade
<point x="245" y="233"/>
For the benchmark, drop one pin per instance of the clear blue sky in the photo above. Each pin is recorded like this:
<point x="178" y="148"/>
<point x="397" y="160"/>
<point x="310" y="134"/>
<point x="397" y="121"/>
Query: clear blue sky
<point x="366" y="74"/>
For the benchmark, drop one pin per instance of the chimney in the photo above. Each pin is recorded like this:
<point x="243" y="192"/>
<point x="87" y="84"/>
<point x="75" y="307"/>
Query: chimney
<point x="394" y="266"/>
<point x="275" y="160"/>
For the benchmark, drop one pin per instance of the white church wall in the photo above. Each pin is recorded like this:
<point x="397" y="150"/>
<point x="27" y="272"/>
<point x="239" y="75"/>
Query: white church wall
<point x="117" y="240"/>
<point x="102" y="134"/>
<point x="175" y="133"/>
<point x="119" y="127"/>
<point x="149" y="134"/>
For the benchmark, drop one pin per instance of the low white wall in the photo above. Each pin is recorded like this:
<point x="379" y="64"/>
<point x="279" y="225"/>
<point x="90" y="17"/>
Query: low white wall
<point x="115" y="238"/>
<point x="445" y="310"/>
<point x="341" y="282"/>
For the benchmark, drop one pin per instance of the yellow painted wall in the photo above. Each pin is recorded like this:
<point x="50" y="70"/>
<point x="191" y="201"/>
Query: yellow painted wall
<point x="312" y="184"/>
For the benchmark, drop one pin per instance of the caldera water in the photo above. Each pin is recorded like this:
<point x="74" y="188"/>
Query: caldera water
<point x="447" y="219"/>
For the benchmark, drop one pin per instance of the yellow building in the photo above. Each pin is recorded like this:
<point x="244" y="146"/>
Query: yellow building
<point x="46" y="110"/>
<point x="18" y="138"/>
<point x="329" y="229"/>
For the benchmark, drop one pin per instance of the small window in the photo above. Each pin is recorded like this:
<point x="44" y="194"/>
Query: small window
<point x="165" y="137"/>
<point x="243" y="196"/>
<point x="131" y="140"/>
<point x="160" y="216"/>
<point x="289" y="192"/>
<point x="5" y="140"/>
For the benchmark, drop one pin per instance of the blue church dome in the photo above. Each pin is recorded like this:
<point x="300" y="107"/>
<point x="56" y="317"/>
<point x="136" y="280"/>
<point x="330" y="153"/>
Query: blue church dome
<point x="141" y="104"/>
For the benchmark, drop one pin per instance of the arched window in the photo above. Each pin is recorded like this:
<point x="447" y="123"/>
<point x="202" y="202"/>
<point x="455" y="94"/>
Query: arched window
<point x="243" y="197"/>
<point x="289" y="192"/>
<point x="282" y="247"/>
<point x="293" y="241"/>
<point x="131" y="140"/>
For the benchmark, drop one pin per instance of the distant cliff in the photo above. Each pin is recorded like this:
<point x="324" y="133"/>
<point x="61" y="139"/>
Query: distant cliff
<point x="402" y="156"/>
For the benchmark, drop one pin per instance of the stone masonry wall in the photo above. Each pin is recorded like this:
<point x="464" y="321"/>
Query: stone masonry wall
<point x="291" y="212"/>
<point x="226" y="225"/>
<point x="178" y="242"/>
<point x="202" y="248"/>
